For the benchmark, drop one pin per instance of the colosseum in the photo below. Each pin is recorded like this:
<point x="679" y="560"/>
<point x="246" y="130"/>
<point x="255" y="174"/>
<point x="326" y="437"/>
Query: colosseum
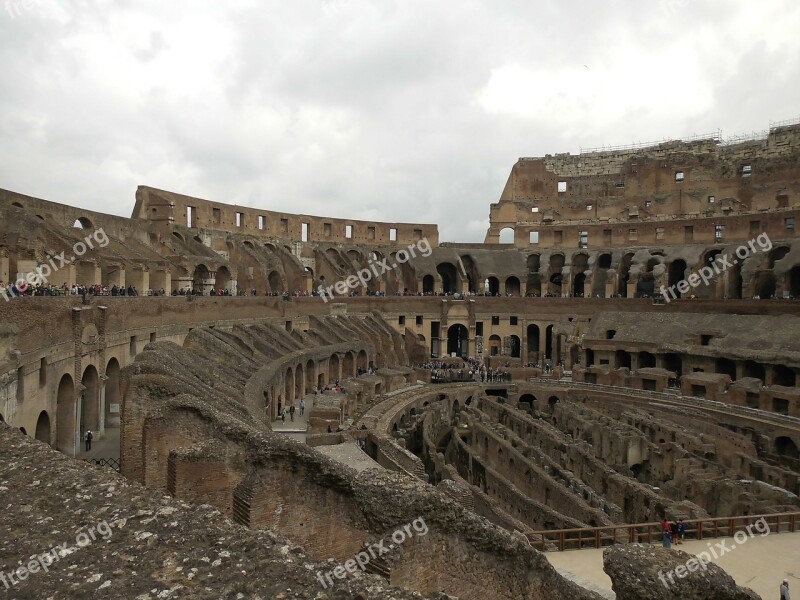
<point x="293" y="406"/>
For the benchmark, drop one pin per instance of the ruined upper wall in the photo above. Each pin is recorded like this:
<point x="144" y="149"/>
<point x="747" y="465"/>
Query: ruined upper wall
<point x="169" y="208"/>
<point x="672" y="181"/>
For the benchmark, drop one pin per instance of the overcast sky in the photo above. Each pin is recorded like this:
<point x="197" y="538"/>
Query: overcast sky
<point x="391" y="110"/>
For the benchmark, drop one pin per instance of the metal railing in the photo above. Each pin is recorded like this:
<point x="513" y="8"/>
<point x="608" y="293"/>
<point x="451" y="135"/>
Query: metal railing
<point x="560" y="540"/>
<point x="114" y="463"/>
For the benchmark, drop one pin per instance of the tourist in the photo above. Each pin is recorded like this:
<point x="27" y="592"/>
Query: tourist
<point x="89" y="438"/>
<point x="785" y="590"/>
<point x="283" y="415"/>
<point x="666" y="533"/>
<point x="674" y="531"/>
<point x="681" y="531"/>
<point x="291" y="412"/>
<point x="302" y="406"/>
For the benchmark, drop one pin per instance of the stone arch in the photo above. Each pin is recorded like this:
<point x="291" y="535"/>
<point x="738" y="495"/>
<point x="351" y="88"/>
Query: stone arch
<point x="223" y="278"/>
<point x="528" y="399"/>
<point x="43" y="428"/>
<point x="623" y="359"/>
<point x="199" y="278"/>
<point x="178" y="236"/>
<point x="311" y="377"/>
<point x="548" y="342"/>
<point x="556" y="274"/>
<point x="755" y="370"/>
<point x="333" y="368"/>
<point x="765" y="284"/>
<point x="428" y="284"/>
<point x="89" y="407"/>
<point x="362" y="361"/>
<point x="492" y="286"/>
<point x="288" y="397"/>
<point x="83" y="223"/>
<point x="275" y="282"/>
<point x="513" y="286"/>
<point x="348" y="365"/>
<point x="793" y="281"/>
<point x="450" y="279"/>
<point x="785" y="446"/>
<point x="534" y="278"/>
<point x="533" y="335"/>
<point x="299" y="382"/>
<point x="674" y="363"/>
<point x="625" y="274"/>
<point x="65" y="416"/>
<point x="646" y="360"/>
<point x="495" y="345"/>
<point x="580" y="262"/>
<point x="507" y="235"/>
<point x="457" y="340"/>
<point x="783" y="376"/>
<point x="676" y="274"/>
<point x="777" y="254"/>
<point x="113" y="395"/>
<point x="515" y="346"/>
<point x="726" y="366"/>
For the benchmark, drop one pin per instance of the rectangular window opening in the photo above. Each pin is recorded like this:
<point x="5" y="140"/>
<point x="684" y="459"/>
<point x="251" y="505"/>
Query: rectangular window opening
<point x="392" y="234"/>
<point x="304" y="232"/>
<point x="348" y="231"/>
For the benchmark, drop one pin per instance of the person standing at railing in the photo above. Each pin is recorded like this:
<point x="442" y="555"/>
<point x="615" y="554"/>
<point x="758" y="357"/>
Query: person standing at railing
<point x="666" y="533"/>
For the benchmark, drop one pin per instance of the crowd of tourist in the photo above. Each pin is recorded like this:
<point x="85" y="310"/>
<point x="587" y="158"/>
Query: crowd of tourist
<point x="472" y="370"/>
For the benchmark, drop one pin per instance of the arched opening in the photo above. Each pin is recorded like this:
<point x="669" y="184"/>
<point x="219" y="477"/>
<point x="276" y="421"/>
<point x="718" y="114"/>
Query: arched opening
<point x="673" y="362"/>
<point x="794" y="282"/>
<point x="601" y="275"/>
<point x="551" y="402"/>
<point x="43" y="427"/>
<point x="624" y="274"/>
<point x="735" y="281"/>
<point x="646" y="360"/>
<point x="89" y="407"/>
<point x="428" y="284"/>
<point x="765" y="285"/>
<point x="83" y="223"/>
<point x="199" y="278"/>
<point x="556" y="277"/>
<point x="348" y="365"/>
<point x="777" y="254"/>
<point x="275" y="282"/>
<point x="493" y="286"/>
<point x="623" y="359"/>
<point x="16" y="204"/>
<point x="449" y="277"/>
<point x="755" y="370"/>
<point x="65" y="416"/>
<point x="726" y="366"/>
<point x="457" y="340"/>
<point x="533" y="343"/>
<point x="223" y="279"/>
<point x="534" y="278"/>
<point x="362" y="362"/>
<point x="580" y="263"/>
<point x="495" y="344"/>
<point x="604" y="261"/>
<point x="783" y="376"/>
<point x="311" y="379"/>
<point x="528" y="401"/>
<point x="785" y="446"/>
<point x="676" y="274"/>
<point x="178" y="236"/>
<point x="333" y="368"/>
<point x="548" y="342"/>
<point x="515" y="346"/>
<point x="249" y="244"/>
<point x="113" y="396"/>
<point x="507" y="235"/>
<point x="288" y="388"/>
<point x="578" y="285"/>
<point x="299" y="382"/>
<point x="512" y="286"/>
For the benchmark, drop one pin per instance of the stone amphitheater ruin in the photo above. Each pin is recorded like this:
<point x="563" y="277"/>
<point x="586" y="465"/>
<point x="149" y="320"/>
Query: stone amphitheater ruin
<point x="608" y="406"/>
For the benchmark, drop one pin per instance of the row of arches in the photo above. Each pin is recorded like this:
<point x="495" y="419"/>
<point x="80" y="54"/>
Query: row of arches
<point x="458" y="343"/>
